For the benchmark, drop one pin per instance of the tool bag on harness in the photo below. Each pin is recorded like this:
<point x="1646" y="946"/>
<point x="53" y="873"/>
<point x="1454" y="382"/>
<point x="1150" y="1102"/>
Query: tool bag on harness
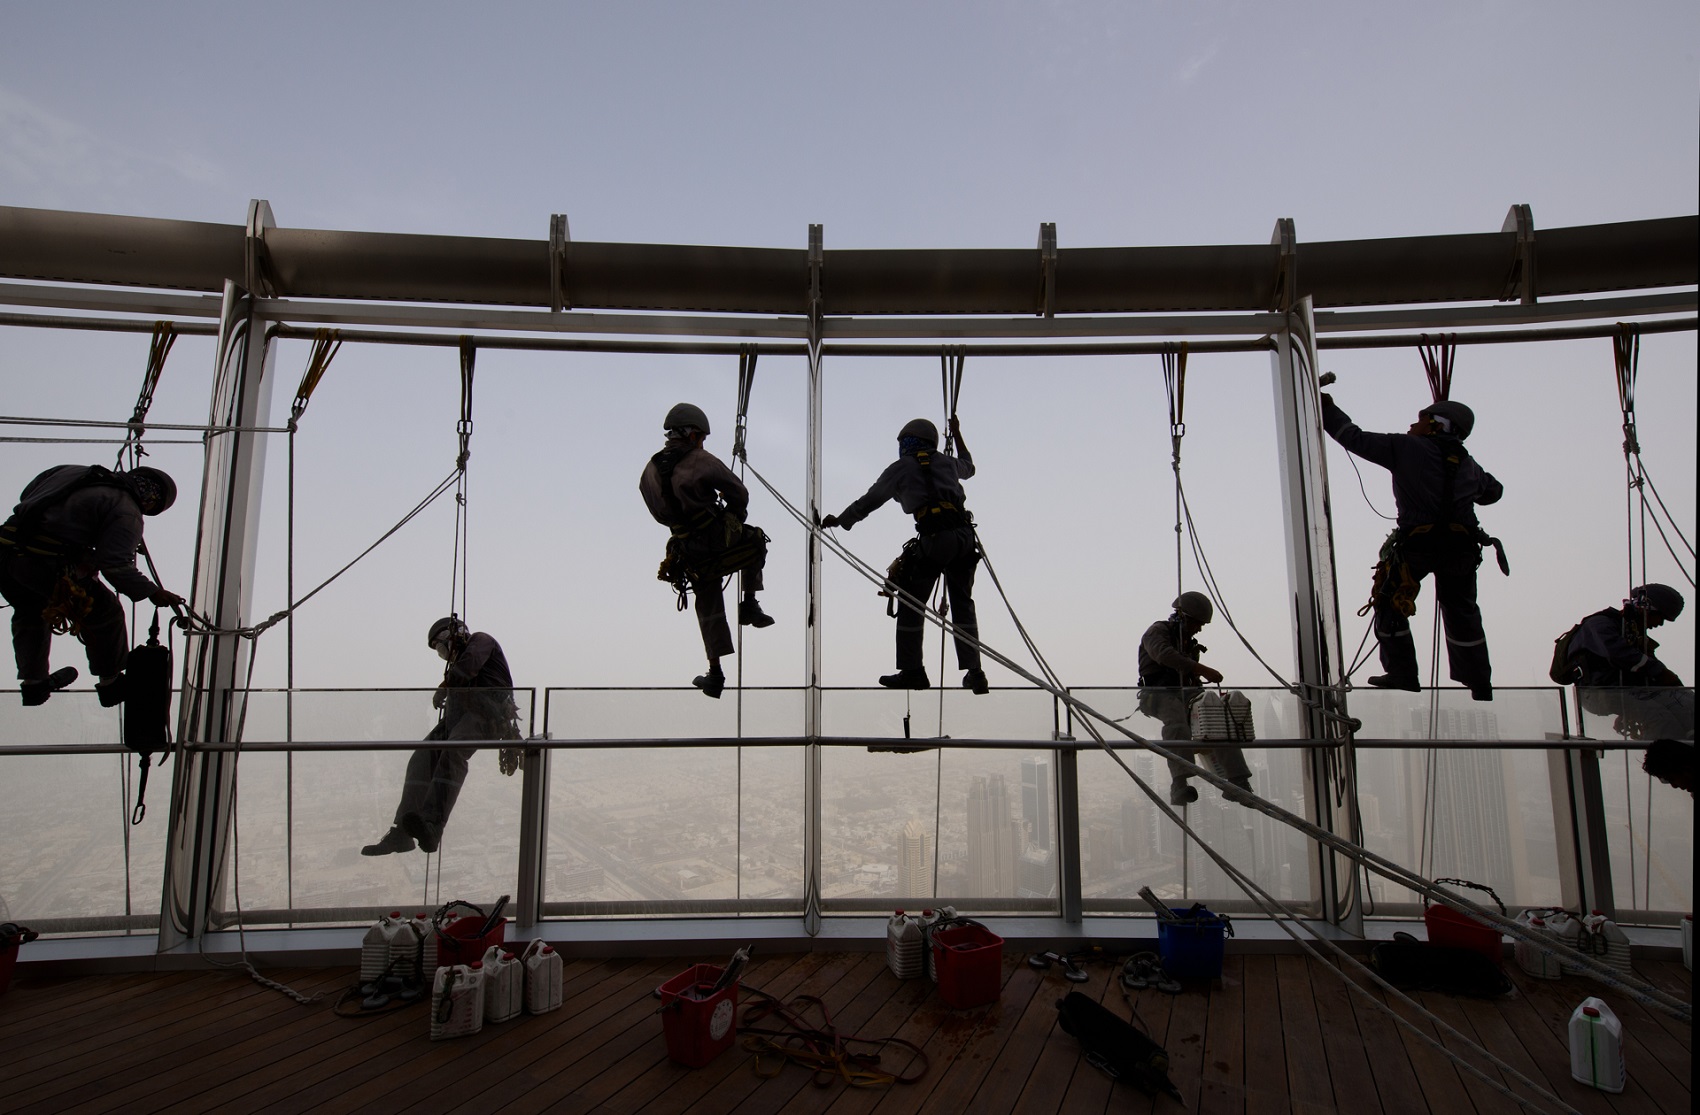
<point x="147" y="708"/>
<point x="709" y="545"/>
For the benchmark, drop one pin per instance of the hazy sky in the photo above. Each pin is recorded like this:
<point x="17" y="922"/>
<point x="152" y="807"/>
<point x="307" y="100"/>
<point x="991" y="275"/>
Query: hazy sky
<point x="896" y="126"/>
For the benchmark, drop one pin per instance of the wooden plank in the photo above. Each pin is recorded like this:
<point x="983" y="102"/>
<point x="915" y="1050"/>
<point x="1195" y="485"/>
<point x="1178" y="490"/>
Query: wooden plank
<point x="1523" y="1018"/>
<point x="777" y="975"/>
<point x="1487" y="1098"/>
<point x="1396" y="1086"/>
<point x="991" y="1030"/>
<point x="1034" y="1030"/>
<point x="900" y="1017"/>
<point x="1222" y="1078"/>
<point x="1349" y="1071"/>
<point x="1308" y="1086"/>
<point x="1090" y="1089"/>
<point x="1189" y="1021"/>
<point x="1265" y="1042"/>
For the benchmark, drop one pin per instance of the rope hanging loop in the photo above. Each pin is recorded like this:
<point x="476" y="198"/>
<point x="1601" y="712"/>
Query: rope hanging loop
<point x="951" y="361"/>
<point x="164" y="336"/>
<point x="1437" y="363"/>
<point x="326" y="343"/>
<point x="468" y="360"/>
<point x="746" y="380"/>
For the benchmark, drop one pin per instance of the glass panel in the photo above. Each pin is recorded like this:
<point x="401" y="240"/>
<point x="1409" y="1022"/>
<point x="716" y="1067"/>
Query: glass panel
<point x="303" y="818"/>
<point x="71" y="716"/>
<point x="64" y="824"/>
<point x="1666" y="712"/>
<point x="1450" y="714"/>
<point x="1650" y="832"/>
<point x="1275" y="712"/>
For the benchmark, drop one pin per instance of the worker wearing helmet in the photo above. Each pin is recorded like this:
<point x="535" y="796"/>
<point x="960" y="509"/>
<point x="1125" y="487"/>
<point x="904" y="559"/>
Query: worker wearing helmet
<point x="692" y="492"/>
<point x="1169" y="677"/>
<point x="928" y="485"/>
<point x="72" y="523"/>
<point x="475" y="702"/>
<point x="1616" y="673"/>
<point x="1436" y="487"/>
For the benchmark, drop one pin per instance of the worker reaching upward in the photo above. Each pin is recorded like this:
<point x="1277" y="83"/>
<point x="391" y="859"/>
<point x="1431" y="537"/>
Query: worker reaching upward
<point x="692" y="492"/>
<point x="1436" y="486"/>
<point x="928" y="485"/>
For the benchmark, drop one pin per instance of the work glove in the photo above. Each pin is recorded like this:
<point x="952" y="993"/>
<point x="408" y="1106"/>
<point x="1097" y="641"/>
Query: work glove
<point x="832" y="521"/>
<point x="1210" y="674"/>
<point x="164" y="598"/>
<point x="439" y="697"/>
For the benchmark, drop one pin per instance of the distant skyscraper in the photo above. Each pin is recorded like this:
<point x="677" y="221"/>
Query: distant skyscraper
<point x="994" y="839"/>
<point x="1101" y="848"/>
<point x="1036" y="801"/>
<point x="1471" y="802"/>
<point x="1036" y="877"/>
<point x="1131" y="842"/>
<point x="915" y="862"/>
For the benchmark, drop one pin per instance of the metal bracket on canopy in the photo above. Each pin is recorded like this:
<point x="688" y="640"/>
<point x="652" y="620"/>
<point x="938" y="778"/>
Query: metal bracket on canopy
<point x="1520" y="279"/>
<point x="1286" y="266"/>
<point x="1047" y="268"/>
<point x="258" y="277"/>
<point x="559" y="238"/>
<point x="817" y="265"/>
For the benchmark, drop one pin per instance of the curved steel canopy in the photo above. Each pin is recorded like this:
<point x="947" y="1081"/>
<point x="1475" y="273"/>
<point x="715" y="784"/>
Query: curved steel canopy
<point x="54" y="245"/>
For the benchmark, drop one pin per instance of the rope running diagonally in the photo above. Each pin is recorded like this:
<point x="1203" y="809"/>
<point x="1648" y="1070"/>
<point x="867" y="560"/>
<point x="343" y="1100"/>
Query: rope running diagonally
<point x="1641" y="991"/>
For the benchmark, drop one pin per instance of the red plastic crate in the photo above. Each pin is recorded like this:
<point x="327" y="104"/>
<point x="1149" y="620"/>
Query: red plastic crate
<point x="969" y="961"/>
<point x="698" y="1030"/>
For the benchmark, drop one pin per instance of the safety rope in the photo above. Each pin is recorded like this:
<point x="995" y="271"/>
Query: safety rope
<point x="1437" y="363"/>
<point x="463" y="514"/>
<point x="1174" y="386"/>
<point x="1637" y="989"/>
<point x="747" y="357"/>
<point x="951" y="360"/>
<point x="1626" y="360"/>
<point x="821" y="1048"/>
<point x="164" y="336"/>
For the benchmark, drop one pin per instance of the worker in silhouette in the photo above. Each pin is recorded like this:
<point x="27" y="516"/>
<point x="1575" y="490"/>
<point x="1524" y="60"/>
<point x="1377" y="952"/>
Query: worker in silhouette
<point x="1170" y="676"/>
<point x="928" y="485"/>
<point x="1612" y="661"/>
<point x="1437" y="486"/>
<point x="476" y="702"/>
<point x="691" y="491"/>
<point x="74" y="524"/>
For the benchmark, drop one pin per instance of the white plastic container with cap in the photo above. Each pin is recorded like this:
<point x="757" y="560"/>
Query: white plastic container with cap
<point x="1528" y="954"/>
<point x="457" y="1001"/>
<point x="903" y="946"/>
<point x="1596" y="1047"/>
<point x="946" y="913"/>
<point x="376" y="946"/>
<point x="504" y="985"/>
<point x="1609" y="942"/>
<point x="543" y="971"/>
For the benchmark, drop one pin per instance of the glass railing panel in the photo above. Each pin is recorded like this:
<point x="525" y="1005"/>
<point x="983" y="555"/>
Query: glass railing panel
<point x="71" y="716"/>
<point x="1276" y="713"/>
<point x="1650" y="833"/>
<point x="1480" y="814"/>
<point x="303" y="817"/>
<point x="642" y="713"/>
<point x="1019" y="714"/>
<point x="1451" y="714"/>
<point x="70" y="861"/>
<point x="1127" y="843"/>
<point x="1665" y="712"/>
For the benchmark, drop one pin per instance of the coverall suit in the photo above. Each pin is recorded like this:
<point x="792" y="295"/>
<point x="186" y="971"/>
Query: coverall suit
<point x="93" y="528"/>
<point x="704" y="491"/>
<point x="928" y="485"/>
<point x="1434" y="538"/>
<point x="476" y="697"/>
<point x="1619" y="676"/>
<point x="1169" y="686"/>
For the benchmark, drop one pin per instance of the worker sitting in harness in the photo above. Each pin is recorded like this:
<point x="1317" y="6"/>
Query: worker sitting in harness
<point x="1436" y="487"/>
<point x="690" y="490"/>
<point x="928" y="485"/>
<point x="476" y="702"/>
<point x="1609" y="658"/>
<point x="72" y="522"/>
<point x="1169" y="677"/>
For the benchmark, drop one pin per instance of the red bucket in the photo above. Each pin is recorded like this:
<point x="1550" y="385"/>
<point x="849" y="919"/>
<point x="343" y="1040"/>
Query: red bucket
<point x="698" y="1026"/>
<point x="1458" y="930"/>
<point x="969" y="961"/>
<point x="459" y="942"/>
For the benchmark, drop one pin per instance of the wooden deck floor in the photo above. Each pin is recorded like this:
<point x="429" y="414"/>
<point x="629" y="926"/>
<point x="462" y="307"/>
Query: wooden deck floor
<point x="1277" y="1035"/>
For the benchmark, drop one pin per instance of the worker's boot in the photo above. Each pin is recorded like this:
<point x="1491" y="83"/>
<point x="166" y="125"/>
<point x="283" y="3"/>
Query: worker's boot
<point x="975" y="681"/>
<point x="37" y="692"/>
<point x="1240" y="792"/>
<point x="429" y="834"/>
<point x="1181" y="792"/>
<point x="751" y="615"/>
<point x="712" y="683"/>
<point x="110" y="692"/>
<point x="913" y="678"/>
<point x="1388" y="681"/>
<point x="392" y="841"/>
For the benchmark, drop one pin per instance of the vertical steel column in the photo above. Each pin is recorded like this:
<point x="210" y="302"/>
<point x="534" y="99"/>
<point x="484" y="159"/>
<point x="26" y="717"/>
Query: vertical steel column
<point x="1316" y="608"/>
<point x="533" y="837"/>
<point x="1068" y="832"/>
<point x="215" y="669"/>
<point x="812" y="606"/>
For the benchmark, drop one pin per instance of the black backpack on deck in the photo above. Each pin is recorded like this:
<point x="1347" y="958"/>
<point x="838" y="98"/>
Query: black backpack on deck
<point x="147" y="707"/>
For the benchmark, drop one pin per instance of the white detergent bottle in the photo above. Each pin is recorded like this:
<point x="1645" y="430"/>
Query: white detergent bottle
<point x="375" y="948"/>
<point x="457" y="1001"/>
<point x="1612" y="943"/>
<point x="543" y="972"/>
<point x="1596" y="1047"/>
<point x="504" y="985"/>
<point x="903" y="946"/>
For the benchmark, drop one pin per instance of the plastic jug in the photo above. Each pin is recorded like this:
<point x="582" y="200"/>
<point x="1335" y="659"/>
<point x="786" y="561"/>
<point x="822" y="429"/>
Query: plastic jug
<point x="542" y="978"/>
<point x="945" y="914"/>
<point x="1609" y="942"/>
<point x="457" y="1001"/>
<point x="1529" y="956"/>
<point x="375" y="947"/>
<point x="903" y="946"/>
<point x="504" y="985"/>
<point x="1596" y="1047"/>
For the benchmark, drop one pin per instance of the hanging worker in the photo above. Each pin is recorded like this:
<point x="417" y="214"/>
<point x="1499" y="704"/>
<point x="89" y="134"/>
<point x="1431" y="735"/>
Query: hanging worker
<point x="475" y="702"/>
<point x="1170" y="675"/>
<point x="73" y="522"/>
<point x="1610" y="659"/>
<point x="1436" y="487"/>
<point x="692" y="492"/>
<point x="928" y="485"/>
